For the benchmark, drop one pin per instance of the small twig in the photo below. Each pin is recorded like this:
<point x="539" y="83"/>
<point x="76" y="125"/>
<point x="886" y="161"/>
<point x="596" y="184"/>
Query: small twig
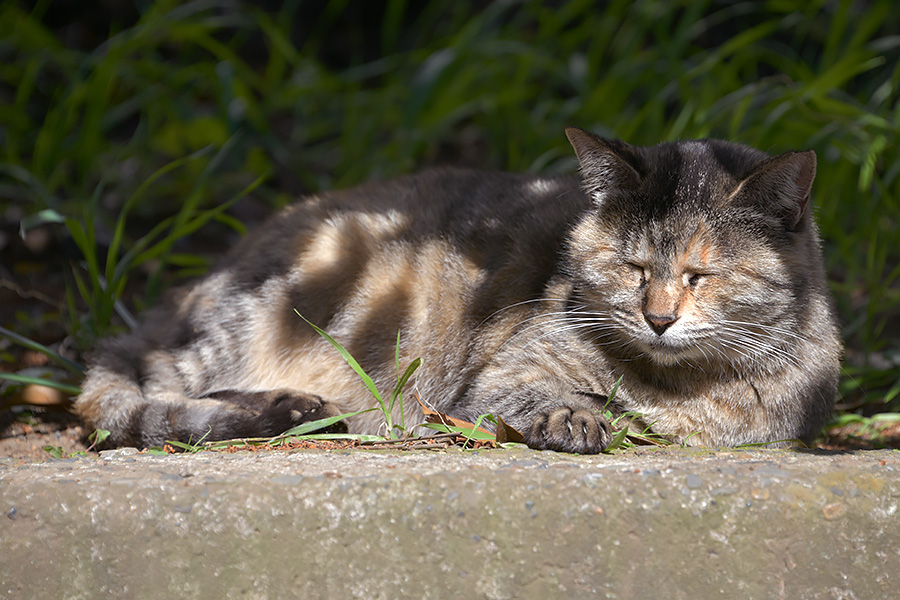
<point x="410" y="440"/>
<point x="432" y="446"/>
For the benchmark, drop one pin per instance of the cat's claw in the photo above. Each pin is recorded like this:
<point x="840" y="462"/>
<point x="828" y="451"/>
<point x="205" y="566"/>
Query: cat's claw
<point x="566" y="430"/>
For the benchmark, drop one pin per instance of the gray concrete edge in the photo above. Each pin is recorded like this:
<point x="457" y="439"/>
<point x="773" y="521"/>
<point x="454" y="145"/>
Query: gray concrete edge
<point x="486" y="524"/>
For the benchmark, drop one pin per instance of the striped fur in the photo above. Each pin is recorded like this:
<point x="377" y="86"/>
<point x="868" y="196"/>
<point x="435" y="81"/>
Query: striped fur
<point x="691" y="270"/>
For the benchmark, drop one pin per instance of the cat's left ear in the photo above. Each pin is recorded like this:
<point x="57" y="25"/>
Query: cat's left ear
<point x="605" y="164"/>
<point x="782" y="185"/>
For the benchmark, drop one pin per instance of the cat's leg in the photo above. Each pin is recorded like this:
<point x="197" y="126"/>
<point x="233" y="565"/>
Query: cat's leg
<point x="135" y="418"/>
<point x="548" y="412"/>
<point x="275" y="411"/>
<point x="143" y="406"/>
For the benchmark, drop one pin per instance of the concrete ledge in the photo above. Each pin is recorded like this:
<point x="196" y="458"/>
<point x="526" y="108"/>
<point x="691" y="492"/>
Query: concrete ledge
<point x="487" y="524"/>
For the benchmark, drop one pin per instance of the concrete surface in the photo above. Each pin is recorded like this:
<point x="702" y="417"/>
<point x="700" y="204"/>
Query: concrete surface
<point x="488" y="524"/>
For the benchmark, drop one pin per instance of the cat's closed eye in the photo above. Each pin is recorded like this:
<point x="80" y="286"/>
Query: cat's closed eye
<point x="692" y="279"/>
<point x="639" y="271"/>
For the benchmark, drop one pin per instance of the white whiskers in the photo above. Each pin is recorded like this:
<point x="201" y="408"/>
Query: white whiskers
<point x="722" y="344"/>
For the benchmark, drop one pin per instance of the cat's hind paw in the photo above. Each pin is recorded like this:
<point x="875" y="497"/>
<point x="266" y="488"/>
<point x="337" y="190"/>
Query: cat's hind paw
<point x="274" y="412"/>
<point x="566" y="430"/>
<point x="285" y="409"/>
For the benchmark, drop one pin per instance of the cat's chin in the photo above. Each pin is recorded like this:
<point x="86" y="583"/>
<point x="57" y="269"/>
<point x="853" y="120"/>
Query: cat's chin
<point x="667" y="358"/>
<point x="670" y="354"/>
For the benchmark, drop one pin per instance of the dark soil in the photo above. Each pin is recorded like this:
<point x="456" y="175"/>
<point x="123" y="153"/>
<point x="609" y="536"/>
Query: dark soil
<point x="25" y="436"/>
<point x="861" y="437"/>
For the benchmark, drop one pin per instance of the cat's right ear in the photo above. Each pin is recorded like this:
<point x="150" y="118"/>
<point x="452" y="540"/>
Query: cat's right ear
<point x="605" y="164"/>
<point x="782" y="186"/>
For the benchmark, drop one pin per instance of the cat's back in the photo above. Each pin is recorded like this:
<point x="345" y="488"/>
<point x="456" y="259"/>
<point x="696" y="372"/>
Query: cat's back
<point x="450" y="203"/>
<point x="472" y="226"/>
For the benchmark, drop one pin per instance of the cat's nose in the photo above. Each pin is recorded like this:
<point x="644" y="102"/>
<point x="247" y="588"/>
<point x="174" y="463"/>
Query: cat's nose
<point x="659" y="323"/>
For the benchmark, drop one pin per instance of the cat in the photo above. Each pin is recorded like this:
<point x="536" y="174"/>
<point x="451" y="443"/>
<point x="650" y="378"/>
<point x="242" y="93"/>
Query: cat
<point x="691" y="271"/>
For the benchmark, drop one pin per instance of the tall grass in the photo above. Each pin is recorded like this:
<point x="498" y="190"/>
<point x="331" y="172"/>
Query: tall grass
<point x="132" y="144"/>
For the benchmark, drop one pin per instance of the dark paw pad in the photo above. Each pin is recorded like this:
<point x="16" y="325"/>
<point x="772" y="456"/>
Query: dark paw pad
<point x="566" y="430"/>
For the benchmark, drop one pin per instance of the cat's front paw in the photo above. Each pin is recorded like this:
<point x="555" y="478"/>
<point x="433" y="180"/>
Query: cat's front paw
<point x="566" y="430"/>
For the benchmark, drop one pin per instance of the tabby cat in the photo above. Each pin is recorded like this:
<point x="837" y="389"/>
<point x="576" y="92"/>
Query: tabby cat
<point x="691" y="270"/>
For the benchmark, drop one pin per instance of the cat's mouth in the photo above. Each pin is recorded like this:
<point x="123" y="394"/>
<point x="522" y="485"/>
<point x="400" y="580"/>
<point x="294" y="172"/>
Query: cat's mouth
<point x="670" y="350"/>
<point x="673" y="347"/>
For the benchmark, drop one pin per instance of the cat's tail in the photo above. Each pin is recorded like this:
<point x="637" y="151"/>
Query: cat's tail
<point x="145" y="409"/>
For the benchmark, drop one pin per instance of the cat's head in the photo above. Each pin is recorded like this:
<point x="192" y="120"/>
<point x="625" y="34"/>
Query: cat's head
<point x="697" y="251"/>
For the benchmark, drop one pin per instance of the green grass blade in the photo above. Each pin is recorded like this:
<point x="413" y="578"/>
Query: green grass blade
<point x="141" y="253"/>
<point x="463" y="431"/>
<point x="119" y="232"/>
<point x="183" y="446"/>
<point x="38" y="347"/>
<point x="42" y="217"/>
<point x="618" y="440"/>
<point x="764" y="444"/>
<point x="138" y="254"/>
<point x="191" y="446"/>
<point x="310" y="426"/>
<point x="88" y="251"/>
<point x="612" y="394"/>
<point x="33" y="183"/>
<point x="886" y="418"/>
<point x="63" y="387"/>
<point x="369" y="383"/>
<point x="397" y="394"/>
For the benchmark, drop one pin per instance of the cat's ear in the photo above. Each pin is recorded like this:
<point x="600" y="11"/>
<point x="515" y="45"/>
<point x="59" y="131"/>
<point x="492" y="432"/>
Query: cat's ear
<point x="782" y="185"/>
<point x="605" y="164"/>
